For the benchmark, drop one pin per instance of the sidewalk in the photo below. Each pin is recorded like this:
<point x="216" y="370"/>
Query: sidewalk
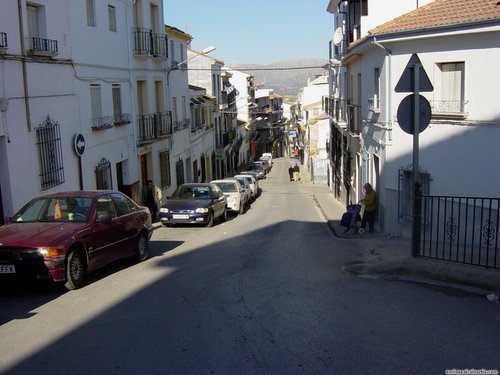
<point x="390" y="257"/>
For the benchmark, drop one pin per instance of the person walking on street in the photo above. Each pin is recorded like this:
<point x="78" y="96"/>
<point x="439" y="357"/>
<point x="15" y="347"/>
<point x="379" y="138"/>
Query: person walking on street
<point x="290" y="172"/>
<point x="370" y="202"/>
<point x="152" y="199"/>
<point x="296" y="172"/>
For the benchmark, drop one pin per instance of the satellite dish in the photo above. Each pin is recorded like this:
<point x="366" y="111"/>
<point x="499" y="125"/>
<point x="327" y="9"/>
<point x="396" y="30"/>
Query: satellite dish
<point x="338" y="36"/>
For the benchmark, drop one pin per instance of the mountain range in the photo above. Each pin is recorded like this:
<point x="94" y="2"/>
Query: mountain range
<point x="286" y="78"/>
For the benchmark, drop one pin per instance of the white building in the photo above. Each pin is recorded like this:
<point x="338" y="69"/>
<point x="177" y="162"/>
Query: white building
<point x="245" y="106"/>
<point x="316" y="126"/>
<point x="457" y="43"/>
<point x="57" y="82"/>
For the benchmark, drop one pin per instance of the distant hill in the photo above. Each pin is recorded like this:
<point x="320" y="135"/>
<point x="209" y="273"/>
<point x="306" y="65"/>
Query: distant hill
<point x="285" y="77"/>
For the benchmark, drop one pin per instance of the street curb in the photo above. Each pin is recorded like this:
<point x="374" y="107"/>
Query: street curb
<point x="440" y="270"/>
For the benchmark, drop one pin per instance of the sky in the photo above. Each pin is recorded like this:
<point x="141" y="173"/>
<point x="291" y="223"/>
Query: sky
<point x="256" y="31"/>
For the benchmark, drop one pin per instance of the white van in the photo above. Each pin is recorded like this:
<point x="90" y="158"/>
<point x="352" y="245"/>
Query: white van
<point x="268" y="155"/>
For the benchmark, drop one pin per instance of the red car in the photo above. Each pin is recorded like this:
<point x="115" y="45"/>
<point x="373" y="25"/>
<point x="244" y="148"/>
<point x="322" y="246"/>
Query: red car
<point x="63" y="236"/>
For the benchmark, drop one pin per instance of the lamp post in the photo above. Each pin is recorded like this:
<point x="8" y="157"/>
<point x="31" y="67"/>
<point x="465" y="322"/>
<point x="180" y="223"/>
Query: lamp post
<point x="203" y="52"/>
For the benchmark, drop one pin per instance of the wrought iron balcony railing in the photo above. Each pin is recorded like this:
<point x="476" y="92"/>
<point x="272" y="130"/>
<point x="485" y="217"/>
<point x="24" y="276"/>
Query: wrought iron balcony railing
<point x="42" y="46"/>
<point x="448" y="108"/>
<point x="120" y="119"/>
<point x="354" y="118"/>
<point x="3" y="40"/>
<point x="153" y="126"/>
<point x="164" y="123"/>
<point x="102" y="122"/>
<point x="148" y="43"/>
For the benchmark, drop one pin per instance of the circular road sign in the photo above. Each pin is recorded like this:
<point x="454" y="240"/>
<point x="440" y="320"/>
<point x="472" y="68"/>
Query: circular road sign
<point x="79" y="144"/>
<point x="406" y="110"/>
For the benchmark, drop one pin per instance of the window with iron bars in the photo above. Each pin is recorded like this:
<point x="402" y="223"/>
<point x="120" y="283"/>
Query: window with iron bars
<point x="50" y="156"/>
<point x="103" y="176"/>
<point x="406" y="194"/>
<point x="165" y="175"/>
<point x="179" y="171"/>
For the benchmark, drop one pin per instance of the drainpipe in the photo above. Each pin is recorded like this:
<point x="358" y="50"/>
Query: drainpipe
<point x="23" y="64"/>
<point x="388" y="84"/>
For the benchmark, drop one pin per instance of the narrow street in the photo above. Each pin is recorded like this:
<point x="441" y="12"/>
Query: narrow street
<point x="262" y="293"/>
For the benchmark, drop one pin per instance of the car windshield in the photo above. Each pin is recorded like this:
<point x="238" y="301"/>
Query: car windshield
<point x="227" y="187"/>
<point x="192" y="192"/>
<point x="55" y="209"/>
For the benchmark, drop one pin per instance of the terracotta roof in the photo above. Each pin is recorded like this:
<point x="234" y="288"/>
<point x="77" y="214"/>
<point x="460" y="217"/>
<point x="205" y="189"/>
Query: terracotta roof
<point x="442" y="13"/>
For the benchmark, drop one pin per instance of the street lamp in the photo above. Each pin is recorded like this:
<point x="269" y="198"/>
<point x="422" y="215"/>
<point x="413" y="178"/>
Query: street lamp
<point x="203" y="52"/>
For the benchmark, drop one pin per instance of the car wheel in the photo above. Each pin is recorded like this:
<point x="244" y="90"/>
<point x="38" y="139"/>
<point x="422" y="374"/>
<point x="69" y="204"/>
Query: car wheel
<point x="142" y="250"/>
<point x="210" y="220"/>
<point x="76" y="270"/>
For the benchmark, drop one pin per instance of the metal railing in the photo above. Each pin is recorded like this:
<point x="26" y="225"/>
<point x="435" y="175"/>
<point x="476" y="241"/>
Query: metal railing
<point x="448" y="106"/>
<point x="3" y="40"/>
<point x="461" y="229"/>
<point x="148" y="43"/>
<point x="36" y="44"/>
<point x="120" y="119"/>
<point x="102" y="122"/>
<point x="153" y="126"/>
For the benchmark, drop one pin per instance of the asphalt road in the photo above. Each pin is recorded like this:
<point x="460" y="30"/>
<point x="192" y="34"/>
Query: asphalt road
<point x="262" y="293"/>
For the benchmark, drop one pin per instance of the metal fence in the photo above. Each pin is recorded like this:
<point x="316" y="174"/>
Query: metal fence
<point x="461" y="229"/>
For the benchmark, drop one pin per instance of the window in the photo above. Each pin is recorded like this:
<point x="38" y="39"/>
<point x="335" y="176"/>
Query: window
<point x="451" y="93"/>
<point x="96" y="105"/>
<point x="91" y="13"/>
<point x="50" y="157"/>
<point x="166" y="180"/>
<point x="122" y="204"/>
<point x="376" y="88"/>
<point x="117" y="103"/>
<point x="173" y="62"/>
<point x="141" y="97"/>
<point x="160" y="102"/>
<point x="179" y="171"/>
<point x="112" y="18"/>
<point x="174" y="110"/>
<point x="103" y="175"/>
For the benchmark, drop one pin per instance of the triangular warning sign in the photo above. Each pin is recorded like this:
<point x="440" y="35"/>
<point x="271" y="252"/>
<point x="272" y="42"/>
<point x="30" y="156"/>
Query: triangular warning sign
<point x="406" y="84"/>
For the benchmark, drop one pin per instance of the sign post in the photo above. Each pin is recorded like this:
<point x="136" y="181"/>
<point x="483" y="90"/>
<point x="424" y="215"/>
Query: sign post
<point x="79" y="148"/>
<point x="414" y="79"/>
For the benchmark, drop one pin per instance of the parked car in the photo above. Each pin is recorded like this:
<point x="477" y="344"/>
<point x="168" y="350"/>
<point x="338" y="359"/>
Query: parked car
<point x="235" y="195"/>
<point x="255" y="175"/>
<point x="194" y="203"/>
<point x="268" y="155"/>
<point x="259" y="169"/>
<point x="264" y="164"/>
<point x="246" y="188"/>
<point x="64" y="236"/>
<point x="267" y="160"/>
<point x="252" y="183"/>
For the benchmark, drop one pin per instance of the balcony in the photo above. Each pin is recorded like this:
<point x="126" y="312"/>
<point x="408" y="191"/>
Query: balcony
<point x="3" y="42"/>
<point x="153" y="126"/>
<point x="452" y="109"/>
<point x="164" y="123"/>
<point x="121" y="119"/>
<point x="41" y="46"/>
<point x="148" y="44"/>
<point x="354" y="118"/>
<point x="102" y="122"/>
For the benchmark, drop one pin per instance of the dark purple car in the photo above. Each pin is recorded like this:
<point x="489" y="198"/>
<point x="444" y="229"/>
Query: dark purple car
<point x="63" y="236"/>
<point x="194" y="203"/>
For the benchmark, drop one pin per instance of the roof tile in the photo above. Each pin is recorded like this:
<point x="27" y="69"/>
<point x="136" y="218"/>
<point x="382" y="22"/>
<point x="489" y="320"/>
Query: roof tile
<point x="442" y="13"/>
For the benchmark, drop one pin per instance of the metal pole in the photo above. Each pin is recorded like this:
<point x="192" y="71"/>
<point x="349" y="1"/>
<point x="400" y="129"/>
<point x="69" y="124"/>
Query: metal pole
<point x="80" y="173"/>
<point x="417" y="201"/>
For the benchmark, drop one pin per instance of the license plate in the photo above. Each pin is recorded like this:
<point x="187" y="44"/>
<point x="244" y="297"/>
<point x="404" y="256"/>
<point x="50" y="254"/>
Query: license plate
<point x="180" y="217"/>
<point x="8" y="269"/>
